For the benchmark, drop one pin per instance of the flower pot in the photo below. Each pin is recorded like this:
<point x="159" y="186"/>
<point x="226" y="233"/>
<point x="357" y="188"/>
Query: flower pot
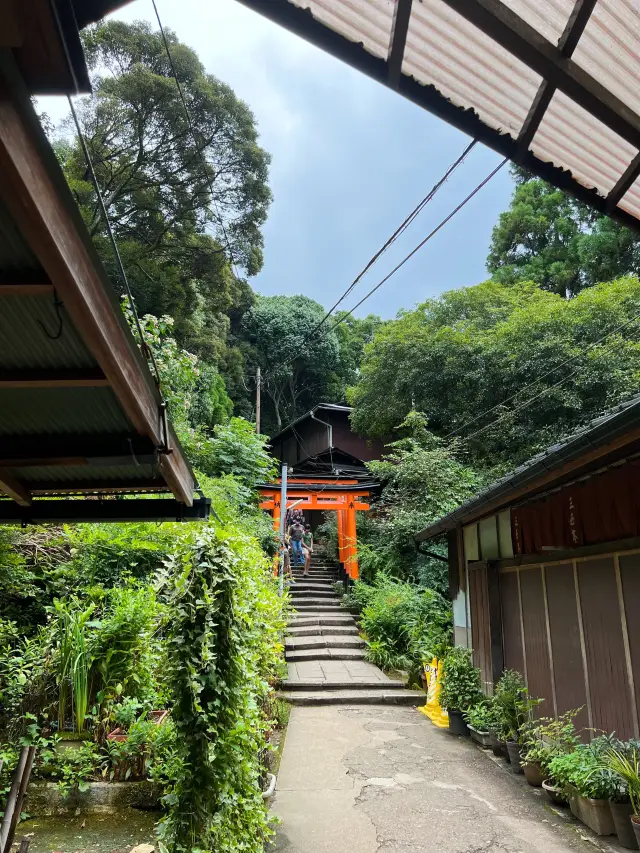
<point x="533" y="773"/>
<point x="621" y="814"/>
<point x="514" y="756"/>
<point x="457" y="725"/>
<point x="504" y="751"/>
<point x="483" y="738"/>
<point x="596" y="814"/>
<point x="495" y="744"/>
<point x="635" y="825"/>
<point x="158" y="717"/>
<point x="554" y="793"/>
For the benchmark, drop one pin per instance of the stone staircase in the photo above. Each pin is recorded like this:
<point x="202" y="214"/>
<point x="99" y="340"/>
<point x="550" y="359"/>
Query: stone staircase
<point x="325" y="653"/>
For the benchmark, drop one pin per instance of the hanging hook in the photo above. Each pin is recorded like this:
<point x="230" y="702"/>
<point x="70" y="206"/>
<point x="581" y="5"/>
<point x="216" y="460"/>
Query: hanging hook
<point x="57" y="304"/>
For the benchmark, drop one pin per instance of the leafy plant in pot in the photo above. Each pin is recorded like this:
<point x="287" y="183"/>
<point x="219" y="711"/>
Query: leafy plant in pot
<point x="514" y="709"/>
<point x="542" y="740"/>
<point x="461" y="688"/>
<point x="623" y="760"/>
<point x="481" y="720"/>
<point x="588" y="785"/>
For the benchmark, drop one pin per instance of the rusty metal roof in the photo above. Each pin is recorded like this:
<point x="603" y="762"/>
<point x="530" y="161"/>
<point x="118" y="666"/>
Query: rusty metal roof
<point x="552" y="84"/>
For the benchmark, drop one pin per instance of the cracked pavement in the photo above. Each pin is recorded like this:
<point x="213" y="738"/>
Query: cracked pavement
<point x="383" y="779"/>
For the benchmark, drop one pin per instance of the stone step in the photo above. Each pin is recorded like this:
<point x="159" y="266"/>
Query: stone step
<point x="328" y="641"/>
<point x="380" y="696"/>
<point x="315" y="630"/>
<point x="324" y="654"/>
<point x="318" y="607"/>
<point x="310" y="685"/>
<point x="308" y="601"/>
<point x="314" y="619"/>
<point x="322" y="587"/>
<point x="300" y="592"/>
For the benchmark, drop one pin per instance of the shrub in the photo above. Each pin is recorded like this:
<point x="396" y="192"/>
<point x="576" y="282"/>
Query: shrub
<point x="514" y="706"/>
<point x="461" y="686"/>
<point x="545" y="738"/>
<point x="583" y="770"/>
<point x="223" y="634"/>
<point x="404" y="624"/>
<point x="481" y="716"/>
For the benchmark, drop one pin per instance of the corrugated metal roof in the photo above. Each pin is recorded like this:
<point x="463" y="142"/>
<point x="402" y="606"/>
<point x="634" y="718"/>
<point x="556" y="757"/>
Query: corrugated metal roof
<point x="501" y="64"/>
<point x="56" y="411"/>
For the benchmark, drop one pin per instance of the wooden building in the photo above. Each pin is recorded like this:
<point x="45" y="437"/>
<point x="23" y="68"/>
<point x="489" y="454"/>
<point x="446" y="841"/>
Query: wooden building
<point x="544" y="569"/>
<point x="324" y="430"/>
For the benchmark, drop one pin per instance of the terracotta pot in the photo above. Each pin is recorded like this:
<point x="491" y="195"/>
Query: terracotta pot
<point x="621" y="814"/>
<point x="533" y="773"/>
<point x="514" y="756"/>
<point x="457" y="725"/>
<point x="635" y="824"/>
<point x="554" y="793"/>
<point x="158" y="717"/>
<point x="596" y="814"/>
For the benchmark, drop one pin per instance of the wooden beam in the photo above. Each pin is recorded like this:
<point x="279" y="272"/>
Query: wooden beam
<point x="523" y="41"/>
<point x="9" y="289"/>
<point x="567" y="43"/>
<point x="494" y="607"/>
<point x="83" y="445"/>
<point x="398" y="40"/>
<point x="92" y="378"/>
<point x="14" y="489"/>
<point x="72" y="461"/>
<point x="36" y="194"/>
<point x="624" y="183"/>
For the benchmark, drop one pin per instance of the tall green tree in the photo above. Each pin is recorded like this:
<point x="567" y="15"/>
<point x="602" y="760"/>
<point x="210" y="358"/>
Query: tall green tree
<point x="175" y="235"/>
<point x="497" y="347"/>
<point x="299" y="364"/>
<point x="548" y="237"/>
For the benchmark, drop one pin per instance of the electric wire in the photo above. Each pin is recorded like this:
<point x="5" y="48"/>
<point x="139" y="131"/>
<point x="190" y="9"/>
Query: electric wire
<point x="520" y="391"/>
<point x="399" y="231"/>
<point x="192" y="130"/>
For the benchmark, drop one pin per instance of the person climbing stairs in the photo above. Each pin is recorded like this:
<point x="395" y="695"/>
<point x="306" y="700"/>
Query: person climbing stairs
<point x="325" y="653"/>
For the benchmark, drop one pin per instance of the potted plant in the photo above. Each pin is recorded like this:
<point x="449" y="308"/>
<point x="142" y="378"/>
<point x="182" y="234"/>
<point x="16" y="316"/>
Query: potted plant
<point x="480" y="719"/>
<point x="514" y="709"/>
<point x="542" y="740"/>
<point x="624" y="761"/>
<point x="460" y="688"/>
<point x="588" y="786"/>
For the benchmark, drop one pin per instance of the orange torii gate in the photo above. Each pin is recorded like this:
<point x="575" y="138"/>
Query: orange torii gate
<point x="344" y="497"/>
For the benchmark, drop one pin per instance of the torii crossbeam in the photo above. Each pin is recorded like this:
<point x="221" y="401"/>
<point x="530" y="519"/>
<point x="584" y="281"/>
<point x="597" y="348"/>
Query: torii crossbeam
<point x="344" y="497"/>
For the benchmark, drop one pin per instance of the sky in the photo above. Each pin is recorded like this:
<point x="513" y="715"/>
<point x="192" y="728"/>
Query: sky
<point x="350" y="160"/>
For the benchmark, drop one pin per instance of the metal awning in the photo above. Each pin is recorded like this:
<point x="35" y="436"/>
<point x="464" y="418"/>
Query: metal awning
<point x="80" y="412"/>
<point x="552" y="84"/>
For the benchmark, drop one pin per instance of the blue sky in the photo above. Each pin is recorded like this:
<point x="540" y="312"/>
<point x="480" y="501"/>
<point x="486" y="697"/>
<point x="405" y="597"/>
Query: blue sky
<point x="350" y="159"/>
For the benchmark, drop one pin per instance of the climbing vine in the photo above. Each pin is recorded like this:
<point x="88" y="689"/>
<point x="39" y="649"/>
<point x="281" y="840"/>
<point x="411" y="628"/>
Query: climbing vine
<point x="223" y="648"/>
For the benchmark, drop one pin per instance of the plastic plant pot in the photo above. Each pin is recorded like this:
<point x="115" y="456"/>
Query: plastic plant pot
<point x="621" y="814"/>
<point x="635" y="823"/>
<point x="533" y="774"/>
<point x="514" y="756"/>
<point x="457" y="725"/>
<point x="483" y="738"/>
<point x="554" y="793"/>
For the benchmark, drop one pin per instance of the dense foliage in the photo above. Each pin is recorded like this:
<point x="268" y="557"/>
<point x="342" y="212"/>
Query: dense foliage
<point x="507" y="350"/>
<point x="404" y="624"/>
<point x="548" y="237"/>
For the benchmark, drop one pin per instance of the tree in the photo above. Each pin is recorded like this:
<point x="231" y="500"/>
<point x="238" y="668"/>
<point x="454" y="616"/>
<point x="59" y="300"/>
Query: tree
<point x="172" y="232"/>
<point x="494" y="348"/>
<point x="548" y="237"/>
<point x="299" y="364"/>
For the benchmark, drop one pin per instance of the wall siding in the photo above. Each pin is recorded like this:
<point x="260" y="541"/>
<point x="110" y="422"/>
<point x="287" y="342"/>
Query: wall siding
<point x="511" y="633"/>
<point x="535" y="638"/>
<point x="481" y="639"/>
<point x="630" y="579"/>
<point x="570" y="685"/>
<point x="608" y="680"/>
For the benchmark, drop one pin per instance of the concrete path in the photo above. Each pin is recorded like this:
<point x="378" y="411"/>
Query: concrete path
<point x="383" y="779"/>
<point x="325" y="653"/>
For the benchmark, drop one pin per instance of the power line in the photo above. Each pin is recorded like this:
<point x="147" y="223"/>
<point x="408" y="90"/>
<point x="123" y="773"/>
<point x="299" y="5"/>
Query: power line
<point x="421" y="244"/>
<point x="399" y="230"/>
<point x="591" y="346"/>
<point x="193" y="134"/>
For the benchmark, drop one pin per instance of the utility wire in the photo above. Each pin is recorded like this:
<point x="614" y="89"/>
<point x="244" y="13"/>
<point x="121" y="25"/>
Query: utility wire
<point x="421" y="244"/>
<point x="528" y="402"/>
<point x="520" y="391"/>
<point x="193" y="134"/>
<point x="399" y="230"/>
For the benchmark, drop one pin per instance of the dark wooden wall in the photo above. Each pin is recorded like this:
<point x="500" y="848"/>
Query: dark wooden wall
<point x="573" y="630"/>
<point x="309" y="437"/>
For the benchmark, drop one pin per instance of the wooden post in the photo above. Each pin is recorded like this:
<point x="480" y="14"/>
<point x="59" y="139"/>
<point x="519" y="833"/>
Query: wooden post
<point x="352" y="548"/>
<point x="258" y="383"/>
<point x="341" y="548"/>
